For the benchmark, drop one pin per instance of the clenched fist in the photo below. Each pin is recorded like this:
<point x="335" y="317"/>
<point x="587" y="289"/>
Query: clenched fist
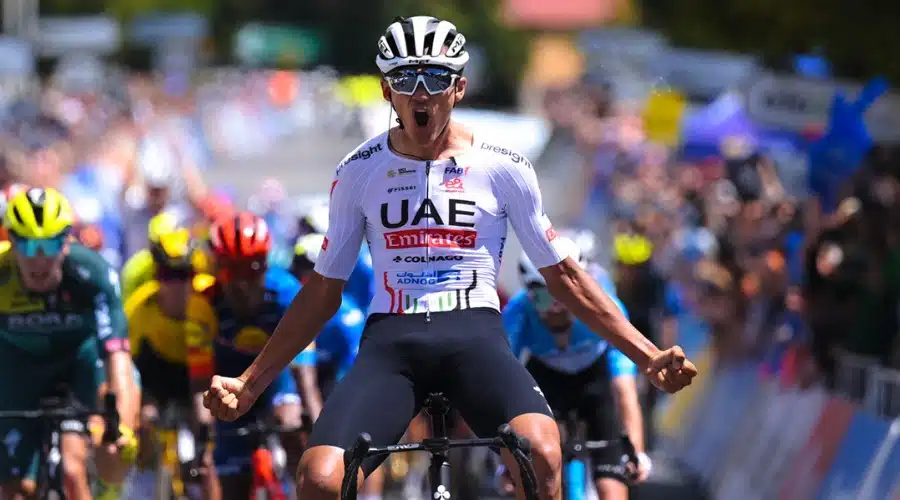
<point x="228" y="398"/>
<point x="670" y="370"/>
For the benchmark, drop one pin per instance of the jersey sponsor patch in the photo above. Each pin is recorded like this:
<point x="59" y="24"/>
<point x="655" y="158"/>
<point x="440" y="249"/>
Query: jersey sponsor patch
<point x="454" y="185"/>
<point x="515" y="157"/>
<point x="551" y="233"/>
<point x="399" y="189"/>
<point x="456" y="170"/>
<point x="363" y="154"/>
<point x="434" y="237"/>
<point x="458" y="213"/>
<point x="250" y="339"/>
<point x="421" y="279"/>
<point x="430" y="258"/>
<point x="400" y="171"/>
<point x="45" y="321"/>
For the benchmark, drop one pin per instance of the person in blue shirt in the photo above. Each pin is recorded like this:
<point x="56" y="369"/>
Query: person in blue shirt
<point x="338" y="343"/>
<point x="360" y="286"/>
<point x="249" y="298"/>
<point x="578" y="371"/>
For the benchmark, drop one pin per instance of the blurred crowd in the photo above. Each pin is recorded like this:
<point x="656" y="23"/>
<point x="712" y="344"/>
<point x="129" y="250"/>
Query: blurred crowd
<point x="124" y="147"/>
<point x="718" y="247"/>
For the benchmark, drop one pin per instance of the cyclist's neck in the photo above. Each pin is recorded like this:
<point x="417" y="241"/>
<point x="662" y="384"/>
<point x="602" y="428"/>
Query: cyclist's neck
<point x="453" y="141"/>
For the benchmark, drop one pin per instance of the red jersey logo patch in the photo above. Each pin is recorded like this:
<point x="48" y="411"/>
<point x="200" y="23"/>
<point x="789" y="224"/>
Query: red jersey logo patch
<point x="551" y="233"/>
<point x="435" y="238"/>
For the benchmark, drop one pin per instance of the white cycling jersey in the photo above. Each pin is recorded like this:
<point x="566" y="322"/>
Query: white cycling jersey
<point x="436" y="229"/>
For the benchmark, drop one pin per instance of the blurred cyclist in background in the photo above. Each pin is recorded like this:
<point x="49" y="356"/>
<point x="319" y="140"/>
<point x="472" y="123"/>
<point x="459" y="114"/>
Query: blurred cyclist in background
<point x="142" y="266"/>
<point x="49" y="276"/>
<point x="165" y="314"/>
<point x="158" y="172"/>
<point x="642" y="290"/>
<point x="361" y="284"/>
<point x="249" y="298"/>
<point x="337" y="344"/>
<point x="578" y="372"/>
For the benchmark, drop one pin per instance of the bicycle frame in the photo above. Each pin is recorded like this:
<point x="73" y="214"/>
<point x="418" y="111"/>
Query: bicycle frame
<point x="54" y="413"/>
<point x="50" y="474"/>
<point x="265" y="481"/>
<point x="438" y="446"/>
<point x="574" y="467"/>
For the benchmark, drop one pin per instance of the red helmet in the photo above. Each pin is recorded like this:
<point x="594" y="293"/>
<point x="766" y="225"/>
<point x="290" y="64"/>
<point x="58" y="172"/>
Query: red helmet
<point x="243" y="236"/>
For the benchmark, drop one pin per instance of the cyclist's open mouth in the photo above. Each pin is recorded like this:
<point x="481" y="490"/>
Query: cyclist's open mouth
<point x="421" y="117"/>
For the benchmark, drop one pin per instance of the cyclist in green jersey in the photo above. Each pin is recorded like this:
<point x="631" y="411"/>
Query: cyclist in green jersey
<point x="61" y="320"/>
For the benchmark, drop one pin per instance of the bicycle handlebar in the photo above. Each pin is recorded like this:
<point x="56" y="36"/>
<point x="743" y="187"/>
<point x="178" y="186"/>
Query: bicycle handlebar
<point x="256" y="428"/>
<point x="70" y="409"/>
<point x="519" y="447"/>
<point x="578" y="447"/>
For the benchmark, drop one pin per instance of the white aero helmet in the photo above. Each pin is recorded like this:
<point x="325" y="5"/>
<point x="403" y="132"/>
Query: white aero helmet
<point x="530" y="274"/>
<point x="421" y="41"/>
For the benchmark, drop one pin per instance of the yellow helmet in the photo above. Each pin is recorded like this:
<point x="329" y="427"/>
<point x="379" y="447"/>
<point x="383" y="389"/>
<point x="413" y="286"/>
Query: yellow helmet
<point x="171" y="244"/>
<point x="38" y="213"/>
<point x="632" y="249"/>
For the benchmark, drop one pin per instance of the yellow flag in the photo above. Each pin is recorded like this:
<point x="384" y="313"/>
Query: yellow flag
<point x="663" y="115"/>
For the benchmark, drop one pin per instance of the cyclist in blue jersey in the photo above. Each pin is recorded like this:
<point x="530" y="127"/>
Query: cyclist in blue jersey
<point x="361" y="283"/>
<point x="338" y="343"/>
<point x="578" y="372"/>
<point x="249" y="298"/>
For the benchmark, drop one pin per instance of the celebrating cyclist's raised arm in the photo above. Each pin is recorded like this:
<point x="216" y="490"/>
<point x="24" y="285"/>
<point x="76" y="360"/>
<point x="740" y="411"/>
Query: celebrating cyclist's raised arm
<point x="566" y="280"/>
<point x="320" y="298"/>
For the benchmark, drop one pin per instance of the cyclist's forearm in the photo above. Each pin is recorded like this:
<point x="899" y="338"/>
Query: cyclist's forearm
<point x="121" y="382"/>
<point x="629" y="406"/>
<point x="304" y="319"/>
<point x="584" y="297"/>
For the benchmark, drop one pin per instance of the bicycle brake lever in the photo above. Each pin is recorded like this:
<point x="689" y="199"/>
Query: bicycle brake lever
<point x="353" y="458"/>
<point x="631" y="453"/>
<point x="513" y="442"/>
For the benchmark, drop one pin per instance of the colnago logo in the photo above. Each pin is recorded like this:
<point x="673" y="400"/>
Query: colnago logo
<point x="425" y="278"/>
<point x="515" y="157"/>
<point x="433" y="237"/>
<point x="364" y="154"/>
<point x="398" y="189"/>
<point x="45" y="320"/>
<point x="430" y="258"/>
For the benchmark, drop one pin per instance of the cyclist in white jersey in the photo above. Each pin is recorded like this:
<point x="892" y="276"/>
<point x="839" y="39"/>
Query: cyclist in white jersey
<point x="433" y="202"/>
